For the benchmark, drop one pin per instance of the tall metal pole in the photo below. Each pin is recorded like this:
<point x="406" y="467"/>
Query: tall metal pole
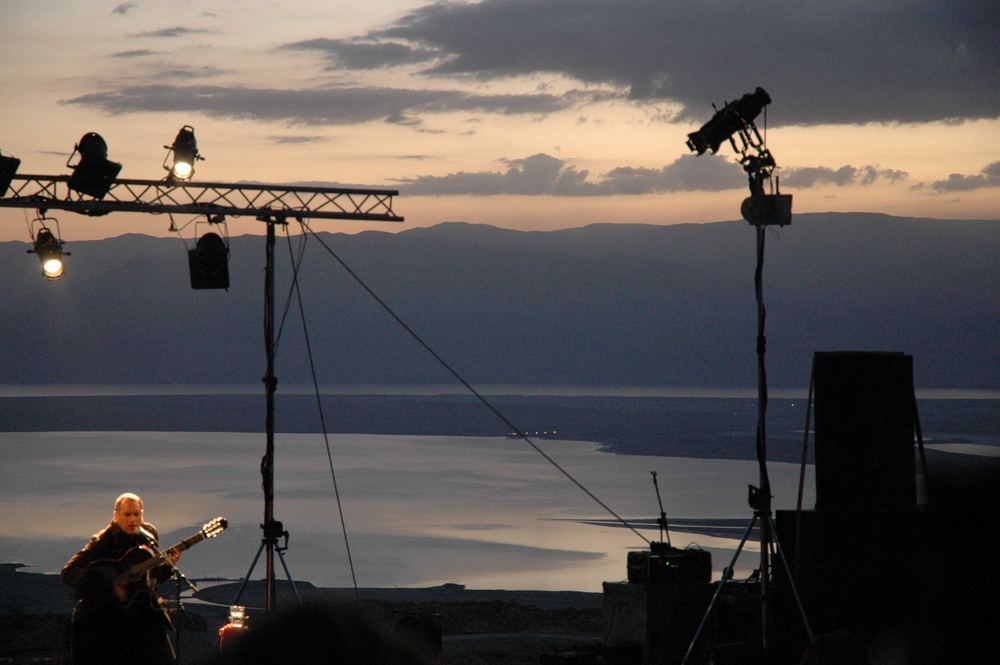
<point x="271" y="384"/>
<point x="764" y="496"/>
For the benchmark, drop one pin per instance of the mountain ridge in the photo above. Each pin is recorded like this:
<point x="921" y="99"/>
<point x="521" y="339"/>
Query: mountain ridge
<point x="606" y="304"/>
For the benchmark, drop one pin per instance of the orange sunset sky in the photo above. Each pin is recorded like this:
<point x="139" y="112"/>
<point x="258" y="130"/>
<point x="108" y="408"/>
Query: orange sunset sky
<point x="522" y="114"/>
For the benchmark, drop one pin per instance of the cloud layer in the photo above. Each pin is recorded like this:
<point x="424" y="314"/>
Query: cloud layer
<point x="909" y="61"/>
<point x="956" y="182"/>
<point x="543" y="174"/>
<point x="335" y="106"/>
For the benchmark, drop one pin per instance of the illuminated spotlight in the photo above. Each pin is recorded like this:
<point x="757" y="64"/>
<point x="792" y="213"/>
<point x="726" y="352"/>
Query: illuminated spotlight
<point x="8" y="167"/>
<point x="732" y="118"/>
<point x="50" y="253"/>
<point x="94" y="173"/>
<point x="185" y="152"/>
<point x="208" y="263"/>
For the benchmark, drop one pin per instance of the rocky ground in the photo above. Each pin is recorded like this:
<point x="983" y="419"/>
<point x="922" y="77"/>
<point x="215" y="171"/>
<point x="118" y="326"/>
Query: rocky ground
<point x="475" y="627"/>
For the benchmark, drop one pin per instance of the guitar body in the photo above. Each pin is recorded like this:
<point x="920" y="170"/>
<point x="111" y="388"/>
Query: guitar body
<point x="119" y="572"/>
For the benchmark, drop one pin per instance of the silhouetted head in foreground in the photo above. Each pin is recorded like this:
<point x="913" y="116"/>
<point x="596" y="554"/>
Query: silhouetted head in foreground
<point x="315" y="634"/>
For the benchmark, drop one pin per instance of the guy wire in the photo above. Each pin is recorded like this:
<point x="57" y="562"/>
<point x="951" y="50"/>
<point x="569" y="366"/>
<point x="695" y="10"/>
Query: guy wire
<point x="296" y="264"/>
<point x="511" y="427"/>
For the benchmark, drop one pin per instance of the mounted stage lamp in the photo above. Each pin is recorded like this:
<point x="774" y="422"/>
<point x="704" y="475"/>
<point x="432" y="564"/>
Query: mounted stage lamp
<point x="208" y="262"/>
<point x="736" y="119"/>
<point x="8" y="167"/>
<point x="730" y="120"/>
<point x="185" y="153"/>
<point x="49" y="248"/>
<point x="94" y="173"/>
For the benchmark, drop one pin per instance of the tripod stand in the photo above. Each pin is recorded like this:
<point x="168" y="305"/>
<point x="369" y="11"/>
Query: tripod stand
<point x="759" y="499"/>
<point x="273" y="529"/>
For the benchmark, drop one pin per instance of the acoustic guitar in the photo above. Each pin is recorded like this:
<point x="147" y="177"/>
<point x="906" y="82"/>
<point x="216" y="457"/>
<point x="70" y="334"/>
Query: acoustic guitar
<point x="129" y="571"/>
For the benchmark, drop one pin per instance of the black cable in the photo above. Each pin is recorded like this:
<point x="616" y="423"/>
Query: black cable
<point x="511" y="427"/>
<point x="319" y="403"/>
<point x="292" y="286"/>
<point x="761" y="371"/>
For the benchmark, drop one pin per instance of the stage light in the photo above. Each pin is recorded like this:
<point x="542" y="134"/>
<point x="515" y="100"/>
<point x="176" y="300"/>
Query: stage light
<point x="94" y="173"/>
<point x="8" y="167"/>
<point x="730" y="120"/>
<point x="185" y="152"/>
<point x="48" y="248"/>
<point x="208" y="263"/>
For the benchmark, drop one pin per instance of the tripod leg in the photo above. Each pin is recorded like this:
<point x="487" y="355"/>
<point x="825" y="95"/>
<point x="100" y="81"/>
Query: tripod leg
<point x="791" y="580"/>
<point x="726" y="575"/>
<point x="246" y="579"/>
<point x="281" y="558"/>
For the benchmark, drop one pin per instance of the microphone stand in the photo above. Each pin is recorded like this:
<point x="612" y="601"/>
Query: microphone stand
<point x="178" y="576"/>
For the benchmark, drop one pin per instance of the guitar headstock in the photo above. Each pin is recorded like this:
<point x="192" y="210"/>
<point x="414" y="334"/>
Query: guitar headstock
<point x="214" y="527"/>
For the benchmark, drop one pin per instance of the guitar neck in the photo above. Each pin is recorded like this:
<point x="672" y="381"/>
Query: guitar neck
<point x="143" y="566"/>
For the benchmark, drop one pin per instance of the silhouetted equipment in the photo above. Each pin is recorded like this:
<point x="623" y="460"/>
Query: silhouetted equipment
<point x="864" y="431"/>
<point x="763" y="208"/>
<point x="8" y="167"/>
<point x="205" y="198"/>
<point x="650" y="618"/>
<point x="870" y="560"/>
<point x="735" y="121"/>
<point x="94" y="173"/>
<point x="733" y="118"/>
<point x="208" y="263"/>
<point x="185" y="152"/>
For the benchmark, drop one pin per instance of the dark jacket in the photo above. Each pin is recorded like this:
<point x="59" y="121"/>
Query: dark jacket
<point x="108" y="544"/>
<point x="105" y="631"/>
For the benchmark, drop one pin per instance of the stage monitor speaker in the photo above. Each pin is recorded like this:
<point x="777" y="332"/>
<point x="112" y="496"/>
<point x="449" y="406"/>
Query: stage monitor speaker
<point x="864" y="431"/>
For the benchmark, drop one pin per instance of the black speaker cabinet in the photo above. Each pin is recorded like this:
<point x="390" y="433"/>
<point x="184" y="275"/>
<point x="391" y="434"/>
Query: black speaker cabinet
<point x="864" y="431"/>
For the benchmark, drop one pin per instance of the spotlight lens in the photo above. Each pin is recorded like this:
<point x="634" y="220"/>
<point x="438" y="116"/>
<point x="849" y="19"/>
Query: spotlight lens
<point x="182" y="170"/>
<point x="53" y="268"/>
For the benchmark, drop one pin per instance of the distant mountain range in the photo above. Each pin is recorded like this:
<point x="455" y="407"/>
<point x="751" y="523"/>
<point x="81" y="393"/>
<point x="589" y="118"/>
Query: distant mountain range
<point x="608" y="304"/>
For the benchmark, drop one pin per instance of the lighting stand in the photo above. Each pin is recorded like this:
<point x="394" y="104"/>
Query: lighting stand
<point x="273" y="529"/>
<point x="760" y="209"/>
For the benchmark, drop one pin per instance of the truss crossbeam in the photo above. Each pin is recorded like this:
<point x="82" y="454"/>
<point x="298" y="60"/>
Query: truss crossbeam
<point x="204" y="198"/>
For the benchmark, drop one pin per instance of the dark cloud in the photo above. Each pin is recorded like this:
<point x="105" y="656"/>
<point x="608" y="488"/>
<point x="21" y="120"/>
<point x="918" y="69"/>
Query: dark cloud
<point x="956" y="182"/>
<point x="543" y="174"/>
<point x="124" y="8"/>
<point x="907" y="61"/>
<point x="354" y="54"/>
<point x="186" y="73"/>
<point x="136" y="53"/>
<point x="812" y="176"/>
<point x="335" y="106"/>
<point x="295" y="139"/>
<point x="176" y="31"/>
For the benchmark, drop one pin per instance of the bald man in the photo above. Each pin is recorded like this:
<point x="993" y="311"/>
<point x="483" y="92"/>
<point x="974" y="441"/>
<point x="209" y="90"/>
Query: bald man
<point x="115" y="622"/>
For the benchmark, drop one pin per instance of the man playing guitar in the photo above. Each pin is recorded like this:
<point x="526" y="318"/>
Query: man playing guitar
<point x="117" y="619"/>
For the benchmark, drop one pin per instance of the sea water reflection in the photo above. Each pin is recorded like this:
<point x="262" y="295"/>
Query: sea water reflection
<point x="486" y="512"/>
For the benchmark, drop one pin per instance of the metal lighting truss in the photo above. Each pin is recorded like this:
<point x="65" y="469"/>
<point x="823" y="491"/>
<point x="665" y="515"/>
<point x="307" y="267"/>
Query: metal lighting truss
<point x="204" y="198"/>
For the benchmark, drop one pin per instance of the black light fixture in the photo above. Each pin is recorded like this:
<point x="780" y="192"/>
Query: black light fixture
<point x="48" y="246"/>
<point x="208" y="262"/>
<point x="185" y="152"/>
<point x="730" y="120"/>
<point x="735" y="120"/>
<point x="8" y="167"/>
<point x="94" y="173"/>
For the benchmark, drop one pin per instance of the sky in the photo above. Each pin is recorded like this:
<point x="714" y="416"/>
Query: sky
<point x="525" y="114"/>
